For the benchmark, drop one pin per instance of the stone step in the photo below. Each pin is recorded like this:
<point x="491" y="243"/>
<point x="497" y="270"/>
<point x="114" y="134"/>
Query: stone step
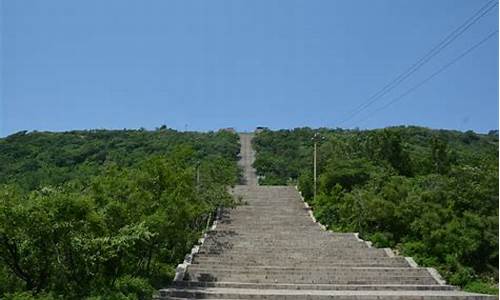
<point x="275" y="294"/>
<point x="276" y="245"/>
<point x="314" y="264"/>
<point x="289" y="245"/>
<point x="268" y="241"/>
<point x="318" y="278"/>
<point x="258" y="229"/>
<point x="303" y="273"/>
<point x="319" y="242"/>
<point x="284" y="259"/>
<point x="281" y="224"/>
<point x="321" y="270"/>
<point x="307" y="235"/>
<point x="317" y="231"/>
<point x="340" y="253"/>
<point x="332" y="287"/>
<point x="380" y="273"/>
<point x="264" y="244"/>
<point x="265" y="236"/>
<point x="278" y="248"/>
<point x="346" y="280"/>
<point x="300" y="264"/>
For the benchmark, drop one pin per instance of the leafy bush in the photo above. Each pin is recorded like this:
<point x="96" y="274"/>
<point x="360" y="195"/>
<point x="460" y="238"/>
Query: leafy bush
<point x="481" y="287"/>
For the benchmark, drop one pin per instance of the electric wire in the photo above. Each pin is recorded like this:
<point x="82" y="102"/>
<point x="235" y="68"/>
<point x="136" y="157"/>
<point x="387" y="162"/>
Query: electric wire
<point x="423" y="60"/>
<point x="434" y="74"/>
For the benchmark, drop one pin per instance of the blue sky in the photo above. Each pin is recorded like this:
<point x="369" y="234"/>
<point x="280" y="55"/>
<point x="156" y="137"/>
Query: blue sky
<point x="211" y="64"/>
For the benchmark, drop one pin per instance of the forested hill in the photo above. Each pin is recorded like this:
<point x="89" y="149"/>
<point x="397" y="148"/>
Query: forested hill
<point x="106" y="214"/>
<point x="430" y="194"/>
<point x="36" y="159"/>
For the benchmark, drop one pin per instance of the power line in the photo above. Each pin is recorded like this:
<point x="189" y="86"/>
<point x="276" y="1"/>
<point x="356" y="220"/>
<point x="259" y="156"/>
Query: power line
<point x="423" y="60"/>
<point x="433" y="52"/>
<point x="427" y="79"/>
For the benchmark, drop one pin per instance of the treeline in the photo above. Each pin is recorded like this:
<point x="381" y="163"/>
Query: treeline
<point x="106" y="214"/>
<point x="430" y="194"/>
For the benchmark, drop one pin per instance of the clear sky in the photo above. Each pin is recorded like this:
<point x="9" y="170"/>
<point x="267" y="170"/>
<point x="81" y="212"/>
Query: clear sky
<point x="211" y="64"/>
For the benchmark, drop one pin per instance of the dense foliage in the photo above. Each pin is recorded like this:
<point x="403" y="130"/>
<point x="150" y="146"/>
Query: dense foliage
<point x="430" y="194"/>
<point x="106" y="214"/>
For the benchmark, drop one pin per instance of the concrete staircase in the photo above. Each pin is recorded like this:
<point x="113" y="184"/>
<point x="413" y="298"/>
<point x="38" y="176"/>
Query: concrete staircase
<point x="270" y="248"/>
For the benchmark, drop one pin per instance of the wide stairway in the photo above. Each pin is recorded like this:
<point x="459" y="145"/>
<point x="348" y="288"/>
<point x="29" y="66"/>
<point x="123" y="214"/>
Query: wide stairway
<point x="270" y="248"/>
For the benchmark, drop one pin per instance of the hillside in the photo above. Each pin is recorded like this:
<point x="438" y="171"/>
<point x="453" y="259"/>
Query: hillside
<point x="430" y="194"/>
<point x="106" y="214"/>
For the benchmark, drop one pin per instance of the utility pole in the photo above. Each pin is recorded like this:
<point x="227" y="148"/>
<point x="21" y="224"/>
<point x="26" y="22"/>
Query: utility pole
<point x="315" y="179"/>
<point x="198" y="175"/>
<point x="316" y="138"/>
